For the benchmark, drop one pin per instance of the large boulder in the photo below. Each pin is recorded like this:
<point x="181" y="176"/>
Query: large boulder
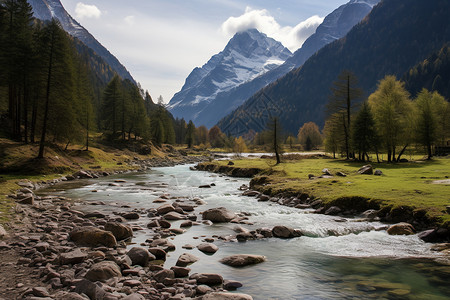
<point x="284" y="232"/>
<point x="92" y="237"/>
<point x="140" y="256"/>
<point x="120" y="231"/>
<point x="242" y="260"/>
<point x="401" y="229"/>
<point x="218" y="215"/>
<point x="227" y="296"/>
<point x="103" y="271"/>
<point x="186" y="259"/>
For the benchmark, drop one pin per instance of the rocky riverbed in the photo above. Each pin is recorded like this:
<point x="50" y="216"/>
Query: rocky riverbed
<point x="63" y="251"/>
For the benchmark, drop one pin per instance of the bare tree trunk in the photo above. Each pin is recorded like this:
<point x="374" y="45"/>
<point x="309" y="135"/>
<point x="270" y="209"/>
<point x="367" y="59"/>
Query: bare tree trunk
<point x="47" y="99"/>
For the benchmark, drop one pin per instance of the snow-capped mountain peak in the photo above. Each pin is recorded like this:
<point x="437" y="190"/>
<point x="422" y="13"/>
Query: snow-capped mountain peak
<point x="247" y="55"/>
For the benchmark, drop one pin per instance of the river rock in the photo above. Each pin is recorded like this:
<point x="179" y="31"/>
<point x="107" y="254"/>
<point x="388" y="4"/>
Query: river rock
<point x="186" y="259"/>
<point x="341" y="174"/>
<point x="120" y="231"/>
<point x="3" y="233"/>
<point x="72" y="258"/>
<point x="94" y="214"/>
<point x="241" y="260"/>
<point x="174" y="216"/>
<point x="207" y="278"/>
<point x="165" y="208"/>
<point x="28" y="200"/>
<point x="227" y="296"/>
<point x="378" y="172"/>
<point x="401" y="229"/>
<point x="332" y="211"/>
<point x="231" y="285"/>
<point x="82" y="175"/>
<point x="131" y="216"/>
<point x="140" y="256"/>
<point x="366" y="170"/>
<point x="284" y="232"/>
<point x="208" y="248"/>
<point x="218" y="215"/>
<point x="180" y="272"/>
<point x="90" y="289"/>
<point x="164" y="274"/>
<point x="103" y="271"/>
<point x="159" y="254"/>
<point x="326" y="172"/>
<point x="92" y="236"/>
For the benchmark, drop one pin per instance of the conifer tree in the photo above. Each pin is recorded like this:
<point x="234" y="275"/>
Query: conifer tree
<point x="190" y="134"/>
<point x="345" y="95"/>
<point x="364" y="135"/>
<point x="111" y="101"/>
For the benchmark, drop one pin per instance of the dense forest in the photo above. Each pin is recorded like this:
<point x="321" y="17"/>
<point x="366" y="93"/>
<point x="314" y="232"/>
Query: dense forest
<point x="54" y="89"/>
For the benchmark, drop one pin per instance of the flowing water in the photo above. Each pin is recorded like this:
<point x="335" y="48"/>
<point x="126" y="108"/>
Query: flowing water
<point x="339" y="258"/>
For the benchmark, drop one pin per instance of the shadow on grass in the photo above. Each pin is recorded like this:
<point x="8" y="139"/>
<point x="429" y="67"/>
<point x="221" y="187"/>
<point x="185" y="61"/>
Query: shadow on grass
<point x="35" y="166"/>
<point x="385" y="165"/>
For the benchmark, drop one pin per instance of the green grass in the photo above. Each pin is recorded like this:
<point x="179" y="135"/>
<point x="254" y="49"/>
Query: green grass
<point x="402" y="184"/>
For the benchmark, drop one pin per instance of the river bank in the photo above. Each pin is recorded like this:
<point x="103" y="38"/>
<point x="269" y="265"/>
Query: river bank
<point x="158" y="196"/>
<point x="323" y="192"/>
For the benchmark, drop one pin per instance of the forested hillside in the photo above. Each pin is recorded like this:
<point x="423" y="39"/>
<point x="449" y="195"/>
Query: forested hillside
<point x="55" y="89"/>
<point x="433" y="74"/>
<point x="394" y="37"/>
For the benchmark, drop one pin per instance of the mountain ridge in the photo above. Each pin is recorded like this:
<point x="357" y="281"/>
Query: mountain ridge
<point x="394" y="37"/>
<point x="47" y="9"/>
<point x="246" y="55"/>
<point x="335" y="24"/>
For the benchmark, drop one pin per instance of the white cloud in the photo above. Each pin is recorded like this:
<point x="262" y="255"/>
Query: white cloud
<point x="130" y="20"/>
<point x="87" y="11"/>
<point x="291" y="37"/>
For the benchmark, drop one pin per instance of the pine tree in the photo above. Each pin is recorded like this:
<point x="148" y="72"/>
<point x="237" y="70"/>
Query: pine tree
<point x="190" y="134"/>
<point x="58" y="114"/>
<point x="111" y="101"/>
<point x="364" y="134"/>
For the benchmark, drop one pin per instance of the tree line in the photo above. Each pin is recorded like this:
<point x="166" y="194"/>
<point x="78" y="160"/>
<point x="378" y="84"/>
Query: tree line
<point x="388" y="121"/>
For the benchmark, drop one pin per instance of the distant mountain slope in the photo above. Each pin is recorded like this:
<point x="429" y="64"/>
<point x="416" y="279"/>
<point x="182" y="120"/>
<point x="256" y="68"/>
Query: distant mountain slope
<point x="247" y="55"/>
<point x="47" y="9"/>
<point x="334" y="26"/>
<point x="393" y="38"/>
<point x="433" y="74"/>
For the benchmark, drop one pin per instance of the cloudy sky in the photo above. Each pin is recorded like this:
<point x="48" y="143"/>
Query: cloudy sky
<point x="161" y="41"/>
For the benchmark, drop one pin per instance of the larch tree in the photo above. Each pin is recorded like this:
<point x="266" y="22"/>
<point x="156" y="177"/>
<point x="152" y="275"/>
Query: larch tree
<point x="344" y="99"/>
<point x="309" y="136"/>
<point x="333" y="134"/>
<point x="274" y="131"/>
<point x="431" y="109"/>
<point x="392" y="109"/>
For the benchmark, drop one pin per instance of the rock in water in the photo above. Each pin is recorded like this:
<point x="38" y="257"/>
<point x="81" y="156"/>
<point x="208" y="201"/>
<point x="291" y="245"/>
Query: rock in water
<point x="92" y="236"/>
<point x="103" y="271"/>
<point x="218" y="215"/>
<point x="401" y="229"/>
<point x="284" y="232"/>
<point x="242" y="260"/>
<point x="186" y="259"/>
<point x="208" y="248"/>
<point x="227" y="296"/>
<point x="140" y="256"/>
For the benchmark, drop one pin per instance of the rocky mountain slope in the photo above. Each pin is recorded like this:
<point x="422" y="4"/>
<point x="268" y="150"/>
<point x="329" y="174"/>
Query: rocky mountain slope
<point x="48" y="9"/>
<point x="247" y="55"/>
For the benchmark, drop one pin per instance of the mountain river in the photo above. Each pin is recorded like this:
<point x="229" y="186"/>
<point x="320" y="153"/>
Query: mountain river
<point x="339" y="258"/>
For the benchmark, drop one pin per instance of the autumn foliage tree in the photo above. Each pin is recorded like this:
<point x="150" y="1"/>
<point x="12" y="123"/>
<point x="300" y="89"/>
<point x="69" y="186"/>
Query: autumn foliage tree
<point x="309" y="136"/>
